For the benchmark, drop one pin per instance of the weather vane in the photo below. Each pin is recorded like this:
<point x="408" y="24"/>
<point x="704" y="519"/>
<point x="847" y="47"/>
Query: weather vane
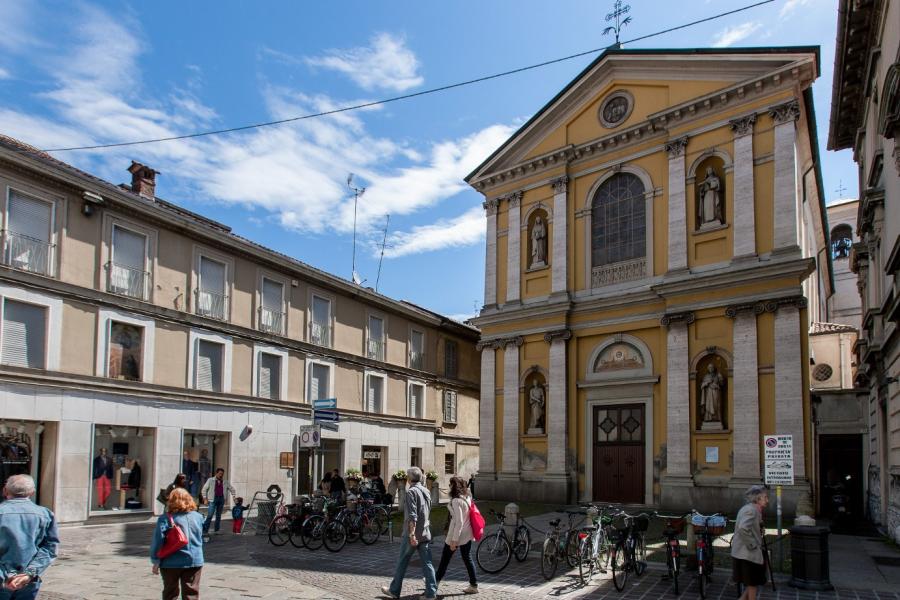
<point x="616" y="15"/>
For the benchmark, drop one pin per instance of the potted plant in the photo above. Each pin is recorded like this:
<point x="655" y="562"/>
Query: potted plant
<point x="400" y="476"/>
<point x="431" y="476"/>
<point x="354" y="474"/>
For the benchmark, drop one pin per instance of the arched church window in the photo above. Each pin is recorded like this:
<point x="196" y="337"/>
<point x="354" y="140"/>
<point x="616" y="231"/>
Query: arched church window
<point x="841" y="240"/>
<point x="618" y="230"/>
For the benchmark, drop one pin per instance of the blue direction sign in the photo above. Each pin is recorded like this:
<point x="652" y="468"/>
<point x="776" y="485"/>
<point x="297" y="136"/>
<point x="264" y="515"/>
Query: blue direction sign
<point x="329" y="425"/>
<point x="325" y="415"/>
<point x="325" y="403"/>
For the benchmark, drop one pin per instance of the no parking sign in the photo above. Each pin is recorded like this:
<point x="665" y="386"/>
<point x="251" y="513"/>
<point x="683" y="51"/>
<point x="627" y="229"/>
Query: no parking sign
<point x="310" y="436"/>
<point x="779" y="459"/>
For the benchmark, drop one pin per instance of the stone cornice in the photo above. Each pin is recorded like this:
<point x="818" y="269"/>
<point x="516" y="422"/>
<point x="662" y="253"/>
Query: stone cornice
<point x="669" y="319"/>
<point x="675" y="148"/>
<point x="743" y="126"/>
<point x="764" y="306"/>
<point x="561" y="334"/>
<point x="560" y="184"/>
<point x="785" y="113"/>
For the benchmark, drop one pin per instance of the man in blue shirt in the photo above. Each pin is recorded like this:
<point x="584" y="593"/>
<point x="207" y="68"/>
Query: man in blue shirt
<point x="28" y="540"/>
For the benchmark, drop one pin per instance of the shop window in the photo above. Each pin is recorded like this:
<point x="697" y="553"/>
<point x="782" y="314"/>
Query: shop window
<point x="24" y="334"/>
<point x="449" y="464"/>
<point x="416" y="401"/>
<point x="319" y="382"/>
<point x="125" y="351"/>
<point x="450" y="398"/>
<point x="28" y="235"/>
<point x="451" y="359"/>
<point x="208" y="366"/>
<point x="203" y="453"/>
<point x="269" y="376"/>
<point x="121" y="469"/>
<point x="415" y="457"/>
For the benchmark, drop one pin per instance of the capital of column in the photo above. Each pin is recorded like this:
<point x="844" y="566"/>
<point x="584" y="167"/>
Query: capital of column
<point x="735" y="309"/>
<point x="785" y="113"/>
<point x="515" y="198"/>
<point x="562" y="334"/>
<point x="687" y="318"/>
<point x="491" y="206"/>
<point x="743" y="126"/>
<point x="517" y="340"/>
<point x="560" y="184"/>
<point x="675" y="148"/>
<point x="774" y="304"/>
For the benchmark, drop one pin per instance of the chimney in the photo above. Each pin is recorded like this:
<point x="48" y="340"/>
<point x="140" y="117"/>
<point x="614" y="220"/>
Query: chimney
<point x="143" y="180"/>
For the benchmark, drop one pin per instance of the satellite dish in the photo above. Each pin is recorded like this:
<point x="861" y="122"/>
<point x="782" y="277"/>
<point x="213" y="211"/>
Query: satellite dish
<point x="357" y="279"/>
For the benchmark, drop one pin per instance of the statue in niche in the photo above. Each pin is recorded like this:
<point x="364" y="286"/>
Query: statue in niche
<point x="711" y="388"/>
<point x="538" y="243"/>
<point x="536" y="400"/>
<point x="711" y="208"/>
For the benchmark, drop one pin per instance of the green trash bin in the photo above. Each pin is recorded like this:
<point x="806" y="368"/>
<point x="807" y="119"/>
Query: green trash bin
<point x="809" y="558"/>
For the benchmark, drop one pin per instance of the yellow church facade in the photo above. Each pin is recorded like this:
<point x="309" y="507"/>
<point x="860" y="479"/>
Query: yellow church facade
<point x="653" y="235"/>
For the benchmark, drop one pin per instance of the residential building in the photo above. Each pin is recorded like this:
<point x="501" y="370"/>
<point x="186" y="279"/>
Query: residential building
<point x="133" y="329"/>
<point x="865" y="117"/>
<point x="656" y="249"/>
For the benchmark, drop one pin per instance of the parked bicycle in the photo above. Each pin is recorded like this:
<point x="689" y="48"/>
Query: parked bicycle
<point x="628" y="553"/>
<point x="674" y="526"/>
<point x="495" y="550"/>
<point x="595" y="544"/>
<point x="707" y="528"/>
<point x="558" y="546"/>
<point x="288" y="523"/>
<point x="360" y="521"/>
<point x="323" y="528"/>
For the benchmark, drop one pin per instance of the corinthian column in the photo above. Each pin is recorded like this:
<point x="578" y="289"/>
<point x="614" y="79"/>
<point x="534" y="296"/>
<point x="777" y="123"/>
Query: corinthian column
<point x="556" y="422"/>
<point x="486" y="466"/>
<point x="745" y="386"/>
<point x="788" y="376"/>
<point x="559" y="281"/>
<point x="490" y="259"/>
<point x="744" y="212"/>
<point x="678" y="409"/>
<point x="677" y="206"/>
<point x="514" y="247"/>
<point x="785" y="175"/>
<point x="510" y="463"/>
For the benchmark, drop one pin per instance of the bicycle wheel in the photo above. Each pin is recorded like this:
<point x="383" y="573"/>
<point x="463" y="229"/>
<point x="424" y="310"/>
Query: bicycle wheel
<point x="523" y="543"/>
<point x="603" y="552"/>
<point x="586" y="560"/>
<point x="640" y="564"/>
<point x="619" y="562"/>
<point x="572" y="549"/>
<point x="371" y="530"/>
<point x="335" y="536"/>
<point x="493" y="553"/>
<point x="296" y="532"/>
<point x="549" y="558"/>
<point x="311" y="532"/>
<point x="280" y="530"/>
<point x="383" y="517"/>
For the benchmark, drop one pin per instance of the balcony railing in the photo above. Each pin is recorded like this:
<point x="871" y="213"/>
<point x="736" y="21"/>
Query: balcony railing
<point x="126" y="281"/>
<point x="271" y="321"/>
<point x="375" y="349"/>
<point x="416" y="360"/>
<point x="27" y="253"/>
<point x="211" y="304"/>
<point x="320" y="334"/>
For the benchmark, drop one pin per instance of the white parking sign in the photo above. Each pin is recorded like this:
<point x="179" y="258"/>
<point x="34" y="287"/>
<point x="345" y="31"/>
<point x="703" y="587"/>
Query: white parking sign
<point x="779" y="459"/>
<point x="310" y="436"/>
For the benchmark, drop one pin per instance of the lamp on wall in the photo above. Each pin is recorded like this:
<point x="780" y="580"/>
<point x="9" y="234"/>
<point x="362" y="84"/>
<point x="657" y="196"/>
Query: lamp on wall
<point x="245" y="433"/>
<point x="91" y="202"/>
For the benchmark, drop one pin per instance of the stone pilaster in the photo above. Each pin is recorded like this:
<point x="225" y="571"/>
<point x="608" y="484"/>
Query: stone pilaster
<point x="486" y="409"/>
<point x="514" y="247"/>
<point x="744" y="207"/>
<point x="490" y="260"/>
<point x="677" y="206"/>
<point x="557" y="422"/>
<point x="678" y="404"/>
<point x="788" y="376"/>
<point x="559" y="280"/>
<point x="510" y="464"/>
<point x="785" y="195"/>
<point x="745" y="386"/>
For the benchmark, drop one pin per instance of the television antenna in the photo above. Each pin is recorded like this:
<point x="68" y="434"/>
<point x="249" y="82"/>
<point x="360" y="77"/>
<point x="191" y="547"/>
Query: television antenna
<point x="357" y="192"/>
<point x="616" y="15"/>
<point x="387" y="222"/>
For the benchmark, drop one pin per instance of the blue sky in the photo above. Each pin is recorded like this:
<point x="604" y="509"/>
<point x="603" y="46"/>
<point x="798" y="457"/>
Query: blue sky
<point x="95" y="72"/>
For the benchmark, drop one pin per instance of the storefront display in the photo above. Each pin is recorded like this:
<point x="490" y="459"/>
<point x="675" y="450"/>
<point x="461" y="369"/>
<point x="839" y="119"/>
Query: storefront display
<point x="20" y="451"/>
<point x="203" y="452"/>
<point x="121" y="469"/>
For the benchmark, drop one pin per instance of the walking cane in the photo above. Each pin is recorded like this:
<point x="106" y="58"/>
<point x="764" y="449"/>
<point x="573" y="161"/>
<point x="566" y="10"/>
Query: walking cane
<point x="768" y="560"/>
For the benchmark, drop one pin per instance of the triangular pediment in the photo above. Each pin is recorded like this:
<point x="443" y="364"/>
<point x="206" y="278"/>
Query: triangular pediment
<point x="652" y="81"/>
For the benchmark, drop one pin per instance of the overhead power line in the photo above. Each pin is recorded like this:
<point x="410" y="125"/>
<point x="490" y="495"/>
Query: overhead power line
<point x="434" y="90"/>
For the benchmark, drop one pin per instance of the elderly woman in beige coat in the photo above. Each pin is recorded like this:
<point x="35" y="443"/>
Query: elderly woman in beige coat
<point x="748" y="562"/>
<point x="459" y="533"/>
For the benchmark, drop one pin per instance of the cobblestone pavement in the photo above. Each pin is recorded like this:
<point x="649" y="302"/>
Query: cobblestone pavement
<point x="111" y="562"/>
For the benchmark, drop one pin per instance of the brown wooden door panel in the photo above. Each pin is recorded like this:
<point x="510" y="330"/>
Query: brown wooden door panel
<point x="618" y="453"/>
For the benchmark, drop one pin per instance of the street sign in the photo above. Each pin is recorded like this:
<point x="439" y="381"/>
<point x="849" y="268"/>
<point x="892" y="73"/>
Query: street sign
<point x="779" y="459"/>
<point x="330" y="426"/>
<point x="325" y="403"/>
<point x="310" y="436"/>
<point x="326" y="415"/>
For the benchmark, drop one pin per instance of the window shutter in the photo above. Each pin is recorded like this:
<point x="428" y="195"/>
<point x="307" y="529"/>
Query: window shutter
<point x="318" y="383"/>
<point x="129" y="248"/>
<point x="321" y="310"/>
<point x="272" y="295"/>
<point x="24" y="332"/>
<point x="450" y="358"/>
<point x="212" y="276"/>
<point x="208" y="370"/>
<point x="269" y="376"/>
<point x="30" y="217"/>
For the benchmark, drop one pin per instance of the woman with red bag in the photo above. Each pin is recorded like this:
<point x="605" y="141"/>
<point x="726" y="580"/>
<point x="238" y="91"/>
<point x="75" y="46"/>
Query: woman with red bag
<point x="459" y="533"/>
<point x="176" y="549"/>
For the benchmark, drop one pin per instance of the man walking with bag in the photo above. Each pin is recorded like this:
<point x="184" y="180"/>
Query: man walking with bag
<point x="416" y="537"/>
<point x="28" y="540"/>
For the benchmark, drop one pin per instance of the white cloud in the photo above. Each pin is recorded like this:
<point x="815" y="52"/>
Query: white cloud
<point x="732" y="35"/>
<point x="385" y="64"/>
<point x="464" y="230"/>
<point x="4" y="74"/>
<point x="790" y="6"/>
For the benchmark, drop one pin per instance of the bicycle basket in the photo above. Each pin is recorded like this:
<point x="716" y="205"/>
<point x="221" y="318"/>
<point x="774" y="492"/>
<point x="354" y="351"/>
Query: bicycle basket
<point x="318" y="504"/>
<point x="294" y="509"/>
<point x="676" y="525"/>
<point x="641" y="524"/>
<point x="713" y="525"/>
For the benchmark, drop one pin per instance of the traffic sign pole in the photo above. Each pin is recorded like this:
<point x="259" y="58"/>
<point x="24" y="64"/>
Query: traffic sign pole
<point x="778" y="525"/>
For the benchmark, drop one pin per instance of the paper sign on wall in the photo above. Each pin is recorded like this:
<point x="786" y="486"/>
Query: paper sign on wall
<point x="779" y="459"/>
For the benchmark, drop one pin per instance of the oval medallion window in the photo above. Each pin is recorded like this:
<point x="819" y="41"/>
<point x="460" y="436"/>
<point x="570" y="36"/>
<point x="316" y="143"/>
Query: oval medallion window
<point x="615" y="109"/>
<point x="822" y="372"/>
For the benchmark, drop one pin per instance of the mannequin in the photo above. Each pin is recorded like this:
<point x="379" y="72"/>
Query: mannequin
<point x="134" y="478"/>
<point x="103" y="474"/>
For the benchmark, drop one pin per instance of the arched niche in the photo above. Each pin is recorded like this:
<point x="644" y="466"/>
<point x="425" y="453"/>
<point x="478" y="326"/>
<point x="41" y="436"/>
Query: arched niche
<point x="711" y="376"/>
<point x="696" y="166"/>
<point x="710" y="193"/>
<point x="533" y="386"/>
<point x="537" y="237"/>
<point x="620" y="357"/>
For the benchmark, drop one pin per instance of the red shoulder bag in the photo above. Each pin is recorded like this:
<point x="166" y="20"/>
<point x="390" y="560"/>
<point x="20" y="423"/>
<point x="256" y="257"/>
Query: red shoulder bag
<point x="176" y="539"/>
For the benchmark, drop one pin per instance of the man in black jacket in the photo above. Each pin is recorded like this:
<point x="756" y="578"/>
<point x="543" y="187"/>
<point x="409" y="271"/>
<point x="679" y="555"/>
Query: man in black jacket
<point x="338" y="487"/>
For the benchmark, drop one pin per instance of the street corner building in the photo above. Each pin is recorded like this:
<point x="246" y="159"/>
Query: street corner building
<point x="656" y="249"/>
<point x="139" y="340"/>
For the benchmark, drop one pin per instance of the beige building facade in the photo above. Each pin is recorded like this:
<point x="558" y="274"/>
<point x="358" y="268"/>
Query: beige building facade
<point x="865" y="117"/>
<point x="135" y="330"/>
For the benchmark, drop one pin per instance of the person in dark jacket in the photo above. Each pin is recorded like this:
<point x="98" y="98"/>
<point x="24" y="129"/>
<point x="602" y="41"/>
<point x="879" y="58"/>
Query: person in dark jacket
<point x="338" y="487"/>
<point x="181" y="568"/>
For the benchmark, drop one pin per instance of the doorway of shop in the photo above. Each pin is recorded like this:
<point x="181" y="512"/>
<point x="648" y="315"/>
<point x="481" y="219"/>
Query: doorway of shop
<point x="372" y="461"/>
<point x="840" y="480"/>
